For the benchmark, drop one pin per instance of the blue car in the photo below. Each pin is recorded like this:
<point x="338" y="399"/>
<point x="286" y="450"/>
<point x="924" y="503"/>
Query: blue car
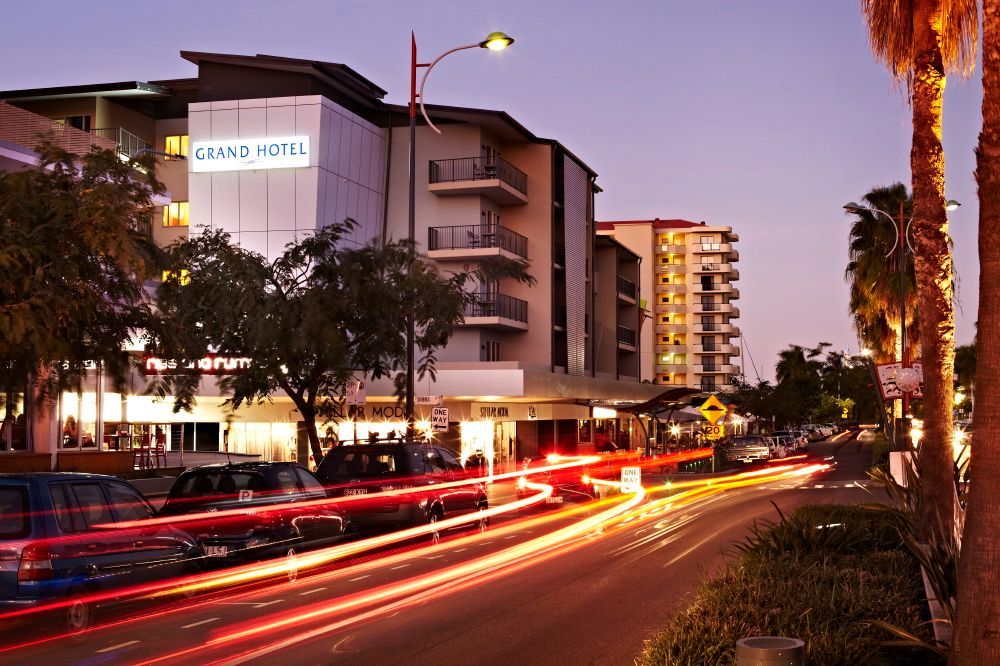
<point x="52" y="548"/>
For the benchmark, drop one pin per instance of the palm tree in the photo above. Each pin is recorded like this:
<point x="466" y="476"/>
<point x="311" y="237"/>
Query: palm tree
<point x="874" y="280"/>
<point x="918" y="40"/>
<point x="978" y="610"/>
<point x="797" y="362"/>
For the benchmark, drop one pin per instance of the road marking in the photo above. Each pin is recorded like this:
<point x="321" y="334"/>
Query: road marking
<point x="817" y="485"/>
<point x="401" y="566"/>
<point x="485" y="543"/>
<point x="115" y="647"/>
<point x="358" y="578"/>
<point x="512" y="536"/>
<point x="195" y="624"/>
<point x="434" y="557"/>
<point x="318" y="589"/>
<point x="459" y="550"/>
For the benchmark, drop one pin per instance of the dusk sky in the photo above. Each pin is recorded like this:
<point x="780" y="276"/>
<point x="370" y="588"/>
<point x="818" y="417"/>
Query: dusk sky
<point x="767" y="116"/>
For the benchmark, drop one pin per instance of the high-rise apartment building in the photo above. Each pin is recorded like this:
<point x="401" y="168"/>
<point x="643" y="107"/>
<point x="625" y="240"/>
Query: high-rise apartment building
<point x="689" y="271"/>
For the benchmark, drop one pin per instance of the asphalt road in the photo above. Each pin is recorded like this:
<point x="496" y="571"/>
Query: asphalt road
<point x="593" y="599"/>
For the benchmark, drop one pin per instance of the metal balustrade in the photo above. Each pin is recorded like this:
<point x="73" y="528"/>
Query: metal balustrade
<point x="468" y="236"/>
<point x="498" y="305"/>
<point x="478" y="168"/>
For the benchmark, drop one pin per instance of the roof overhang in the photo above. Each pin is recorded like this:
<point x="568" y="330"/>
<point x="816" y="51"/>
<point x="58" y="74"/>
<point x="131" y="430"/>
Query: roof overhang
<point x="134" y="89"/>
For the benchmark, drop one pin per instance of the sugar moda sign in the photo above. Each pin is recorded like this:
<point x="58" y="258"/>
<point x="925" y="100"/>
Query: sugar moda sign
<point x="249" y="154"/>
<point x="210" y="364"/>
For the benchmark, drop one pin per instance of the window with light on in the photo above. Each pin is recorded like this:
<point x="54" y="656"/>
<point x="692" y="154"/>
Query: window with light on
<point x="176" y="145"/>
<point x="176" y="214"/>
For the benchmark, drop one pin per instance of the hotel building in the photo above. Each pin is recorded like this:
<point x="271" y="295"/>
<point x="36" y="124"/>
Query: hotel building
<point x="275" y="148"/>
<point x="689" y="271"/>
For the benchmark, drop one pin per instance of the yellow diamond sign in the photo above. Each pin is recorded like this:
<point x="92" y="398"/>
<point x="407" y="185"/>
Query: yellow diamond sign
<point x="712" y="409"/>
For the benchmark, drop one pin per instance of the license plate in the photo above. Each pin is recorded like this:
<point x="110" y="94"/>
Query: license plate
<point x="553" y="500"/>
<point x="356" y="491"/>
<point x="216" y="551"/>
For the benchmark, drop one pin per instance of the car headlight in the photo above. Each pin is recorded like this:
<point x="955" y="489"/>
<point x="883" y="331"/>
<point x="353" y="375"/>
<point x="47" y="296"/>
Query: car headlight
<point x="522" y="483"/>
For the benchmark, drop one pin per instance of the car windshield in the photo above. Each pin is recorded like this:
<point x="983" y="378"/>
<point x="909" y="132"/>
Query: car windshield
<point x="351" y="463"/>
<point x="222" y="484"/>
<point x="13" y="512"/>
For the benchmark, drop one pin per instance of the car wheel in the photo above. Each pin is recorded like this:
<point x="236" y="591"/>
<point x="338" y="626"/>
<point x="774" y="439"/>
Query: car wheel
<point x="484" y="520"/>
<point x="433" y="520"/>
<point x="79" y="615"/>
<point x="292" y="564"/>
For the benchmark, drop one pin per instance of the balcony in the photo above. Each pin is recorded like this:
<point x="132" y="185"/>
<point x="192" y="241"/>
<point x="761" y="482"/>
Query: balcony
<point x="732" y="237"/>
<point x="734" y="255"/>
<point x="498" y="311"/>
<point x="671" y="368"/>
<point x="724" y="328"/>
<point x="626" y="288"/>
<point x="671" y="349"/>
<point x="559" y="317"/>
<point x="720" y="248"/>
<point x="475" y="241"/>
<point x="626" y="337"/>
<point x="718" y="348"/>
<point x="717" y="288"/>
<point x="734" y="275"/>
<point x="671" y="288"/>
<point x="27" y="129"/>
<point x="671" y="269"/>
<point x="717" y="369"/>
<point x="559" y="255"/>
<point x="708" y="307"/>
<point x="128" y="144"/>
<point x="714" y="267"/>
<point x="672" y="308"/>
<point x="672" y="249"/>
<point x="494" y="178"/>
<point x="671" y="328"/>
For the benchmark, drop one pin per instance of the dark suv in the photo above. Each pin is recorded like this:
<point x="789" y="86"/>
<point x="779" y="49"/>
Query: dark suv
<point x="52" y="545"/>
<point x="367" y="469"/>
<point x="262" y="514"/>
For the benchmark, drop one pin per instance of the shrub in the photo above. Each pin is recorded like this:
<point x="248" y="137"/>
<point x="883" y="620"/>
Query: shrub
<point x="825" y="586"/>
<point x="880" y="451"/>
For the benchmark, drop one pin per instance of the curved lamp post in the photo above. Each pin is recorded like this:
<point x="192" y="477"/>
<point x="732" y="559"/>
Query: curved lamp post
<point x="907" y="377"/>
<point x="495" y="41"/>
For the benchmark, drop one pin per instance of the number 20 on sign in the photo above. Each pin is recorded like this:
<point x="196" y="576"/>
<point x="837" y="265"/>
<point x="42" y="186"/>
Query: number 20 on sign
<point x="714" y="431"/>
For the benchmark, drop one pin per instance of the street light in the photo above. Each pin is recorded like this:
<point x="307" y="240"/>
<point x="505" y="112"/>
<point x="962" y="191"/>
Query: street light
<point x="907" y="377"/>
<point x="495" y="41"/>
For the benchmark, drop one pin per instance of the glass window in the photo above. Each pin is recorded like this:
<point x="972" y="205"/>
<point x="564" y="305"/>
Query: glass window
<point x="176" y="144"/>
<point x="308" y="481"/>
<point x="127" y="502"/>
<point x="355" y="464"/>
<point x="450" y="461"/>
<point x="93" y="506"/>
<point x="208" y="484"/>
<point x="175" y="214"/>
<point x="68" y="519"/>
<point x="434" y="463"/>
<point x="285" y="478"/>
<point x="14" y="515"/>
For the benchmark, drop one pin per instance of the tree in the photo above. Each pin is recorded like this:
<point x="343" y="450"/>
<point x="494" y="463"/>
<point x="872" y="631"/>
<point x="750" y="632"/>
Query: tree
<point x="311" y="319"/>
<point x="977" y="629"/>
<point x="965" y="366"/>
<point x="918" y="39"/>
<point x="73" y="260"/>
<point x="874" y="280"/>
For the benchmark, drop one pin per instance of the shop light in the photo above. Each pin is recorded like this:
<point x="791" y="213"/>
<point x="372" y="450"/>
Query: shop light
<point x="604" y="413"/>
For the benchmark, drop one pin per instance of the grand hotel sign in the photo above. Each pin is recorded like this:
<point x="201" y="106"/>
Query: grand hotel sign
<point x="250" y="154"/>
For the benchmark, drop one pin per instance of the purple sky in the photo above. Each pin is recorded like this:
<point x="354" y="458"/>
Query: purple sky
<point x="767" y="116"/>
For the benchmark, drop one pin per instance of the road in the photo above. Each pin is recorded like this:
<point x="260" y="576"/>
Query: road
<point x="591" y="598"/>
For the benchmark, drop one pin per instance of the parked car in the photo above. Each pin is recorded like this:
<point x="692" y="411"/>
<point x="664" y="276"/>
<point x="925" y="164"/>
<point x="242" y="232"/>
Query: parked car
<point x="813" y="431"/>
<point x="794" y="440"/>
<point x="52" y="545"/>
<point x="369" y="469"/>
<point x="568" y="485"/>
<point x="747" y="448"/>
<point x="268" y="520"/>
<point x="801" y="440"/>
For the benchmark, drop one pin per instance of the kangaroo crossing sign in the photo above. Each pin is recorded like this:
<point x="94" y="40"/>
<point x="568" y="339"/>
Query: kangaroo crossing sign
<point x="712" y="409"/>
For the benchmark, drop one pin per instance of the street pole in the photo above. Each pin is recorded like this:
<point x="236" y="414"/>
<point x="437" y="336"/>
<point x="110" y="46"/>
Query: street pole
<point x="903" y="356"/>
<point x="411" y="235"/>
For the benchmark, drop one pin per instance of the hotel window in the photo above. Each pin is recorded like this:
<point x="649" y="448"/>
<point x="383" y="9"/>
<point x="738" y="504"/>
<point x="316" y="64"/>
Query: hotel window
<point x="176" y="144"/>
<point x="176" y="214"/>
<point x="492" y="350"/>
<point x="79" y="122"/>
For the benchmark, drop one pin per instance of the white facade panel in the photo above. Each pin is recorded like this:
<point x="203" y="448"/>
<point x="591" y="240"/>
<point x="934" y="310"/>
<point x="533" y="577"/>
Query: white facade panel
<point x="307" y="192"/>
<point x="281" y="199"/>
<point x="253" y="200"/>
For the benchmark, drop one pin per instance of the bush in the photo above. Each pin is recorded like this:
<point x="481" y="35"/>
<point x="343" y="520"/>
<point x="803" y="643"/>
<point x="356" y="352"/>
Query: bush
<point x="880" y="451"/>
<point x="824" y="585"/>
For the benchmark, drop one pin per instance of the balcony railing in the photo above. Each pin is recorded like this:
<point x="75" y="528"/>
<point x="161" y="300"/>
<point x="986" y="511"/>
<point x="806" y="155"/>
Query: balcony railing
<point x="468" y="236"/>
<point x="559" y="315"/>
<point x="626" y="287"/>
<point x="128" y="144"/>
<point x="498" y="305"/>
<point x="708" y="307"/>
<point x="27" y="129"/>
<point x="626" y="335"/>
<point x="144" y="226"/>
<point x="707" y="328"/>
<point x="478" y="168"/>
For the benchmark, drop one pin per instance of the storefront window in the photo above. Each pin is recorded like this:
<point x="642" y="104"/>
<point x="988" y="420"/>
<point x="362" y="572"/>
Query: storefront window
<point x="14" y="425"/>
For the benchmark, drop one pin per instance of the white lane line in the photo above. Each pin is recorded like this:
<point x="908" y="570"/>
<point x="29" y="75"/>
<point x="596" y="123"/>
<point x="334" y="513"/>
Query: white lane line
<point x="459" y="550"/>
<point x="512" y="536"/>
<point x="817" y="485"/>
<point x="116" y="647"/>
<point x="434" y="557"/>
<point x="318" y="589"/>
<point x="401" y="566"/>
<point x="268" y="603"/>
<point x="195" y="624"/>
<point x="485" y="543"/>
<point x="359" y="578"/>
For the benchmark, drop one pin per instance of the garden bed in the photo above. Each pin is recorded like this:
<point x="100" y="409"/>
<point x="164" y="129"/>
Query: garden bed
<point x="825" y="574"/>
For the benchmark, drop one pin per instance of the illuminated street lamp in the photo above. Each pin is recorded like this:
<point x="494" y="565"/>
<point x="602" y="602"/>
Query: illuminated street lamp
<point x="906" y="380"/>
<point x="495" y="41"/>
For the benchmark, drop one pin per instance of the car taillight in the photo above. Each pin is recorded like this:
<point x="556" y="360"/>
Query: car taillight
<point x="585" y="478"/>
<point x="522" y="483"/>
<point x="36" y="563"/>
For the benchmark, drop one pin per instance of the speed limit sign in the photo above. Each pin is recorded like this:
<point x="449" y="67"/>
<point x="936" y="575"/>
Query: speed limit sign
<point x="713" y="431"/>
